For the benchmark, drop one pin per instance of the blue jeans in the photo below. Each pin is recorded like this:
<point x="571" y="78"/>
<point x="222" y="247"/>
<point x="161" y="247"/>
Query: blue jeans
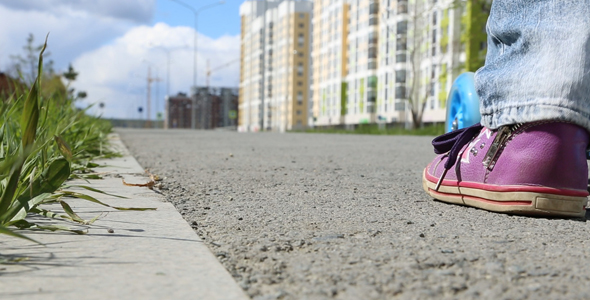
<point x="538" y="63"/>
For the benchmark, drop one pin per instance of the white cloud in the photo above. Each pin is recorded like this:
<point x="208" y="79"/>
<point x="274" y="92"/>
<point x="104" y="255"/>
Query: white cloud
<point x="71" y="32"/>
<point x="140" y="11"/>
<point x="116" y="74"/>
<point x="105" y="44"/>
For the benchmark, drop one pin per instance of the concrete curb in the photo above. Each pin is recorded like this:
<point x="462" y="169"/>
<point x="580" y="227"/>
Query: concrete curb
<point x="150" y="254"/>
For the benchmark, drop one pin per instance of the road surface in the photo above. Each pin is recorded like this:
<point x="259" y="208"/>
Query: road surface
<point x="318" y="216"/>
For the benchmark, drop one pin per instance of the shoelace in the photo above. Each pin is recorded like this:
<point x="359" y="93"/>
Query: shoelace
<point x="452" y="143"/>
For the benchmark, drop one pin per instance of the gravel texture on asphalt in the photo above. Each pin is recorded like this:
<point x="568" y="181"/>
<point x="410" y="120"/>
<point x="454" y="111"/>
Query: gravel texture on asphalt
<point x="316" y="216"/>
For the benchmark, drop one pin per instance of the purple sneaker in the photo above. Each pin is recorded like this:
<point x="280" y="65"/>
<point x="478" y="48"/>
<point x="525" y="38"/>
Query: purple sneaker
<point x="535" y="168"/>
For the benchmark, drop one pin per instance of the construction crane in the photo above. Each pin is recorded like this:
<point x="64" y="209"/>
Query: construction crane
<point x="218" y="68"/>
<point x="206" y="103"/>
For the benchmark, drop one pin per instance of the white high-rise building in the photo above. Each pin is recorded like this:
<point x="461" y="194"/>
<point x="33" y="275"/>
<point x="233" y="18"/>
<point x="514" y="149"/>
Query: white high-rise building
<point x="275" y="65"/>
<point x="346" y="62"/>
<point x="330" y="61"/>
<point x="373" y="60"/>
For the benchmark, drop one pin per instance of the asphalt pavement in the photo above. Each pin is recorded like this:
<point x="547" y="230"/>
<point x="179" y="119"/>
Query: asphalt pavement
<point x="319" y="216"/>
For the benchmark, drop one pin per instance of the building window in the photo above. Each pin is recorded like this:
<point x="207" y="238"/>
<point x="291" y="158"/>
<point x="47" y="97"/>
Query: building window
<point x="401" y="44"/>
<point x="299" y="113"/>
<point x="400" y="106"/>
<point x="402" y="27"/>
<point x="400" y="58"/>
<point x="374" y="8"/>
<point x="400" y="92"/>
<point x="371" y="96"/>
<point x="402" y="6"/>
<point x="373" y="38"/>
<point x="299" y="98"/>
<point x="400" y="76"/>
<point x="301" y="40"/>
<point x="372" y="52"/>
<point x="299" y="83"/>
<point x="301" y="15"/>
<point x="300" y="69"/>
<point x="300" y="25"/>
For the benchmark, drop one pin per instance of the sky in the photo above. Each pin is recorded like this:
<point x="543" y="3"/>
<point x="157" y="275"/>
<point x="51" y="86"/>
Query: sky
<point x="113" y="43"/>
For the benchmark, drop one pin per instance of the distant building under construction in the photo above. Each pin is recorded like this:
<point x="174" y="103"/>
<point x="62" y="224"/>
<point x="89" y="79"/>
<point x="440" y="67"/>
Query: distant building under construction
<point x="216" y="107"/>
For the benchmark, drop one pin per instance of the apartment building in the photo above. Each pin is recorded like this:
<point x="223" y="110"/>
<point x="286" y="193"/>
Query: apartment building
<point x="374" y="59"/>
<point x="275" y="65"/>
<point x="362" y="42"/>
<point x="419" y="56"/>
<point x="370" y="61"/>
<point x="330" y="61"/>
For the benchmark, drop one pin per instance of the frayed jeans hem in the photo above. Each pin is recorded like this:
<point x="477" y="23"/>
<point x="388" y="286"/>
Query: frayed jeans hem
<point x="534" y="113"/>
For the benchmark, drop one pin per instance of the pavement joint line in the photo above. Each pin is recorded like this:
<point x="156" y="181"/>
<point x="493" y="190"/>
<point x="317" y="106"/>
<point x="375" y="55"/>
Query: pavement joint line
<point x="148" y="255"/>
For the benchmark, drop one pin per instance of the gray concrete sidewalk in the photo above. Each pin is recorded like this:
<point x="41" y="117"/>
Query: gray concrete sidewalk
<point x="124" y="255"/>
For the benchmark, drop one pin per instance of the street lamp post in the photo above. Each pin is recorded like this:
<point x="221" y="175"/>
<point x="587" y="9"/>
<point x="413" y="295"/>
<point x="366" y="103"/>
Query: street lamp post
<point x="150" y="79"/>
<point x="196" y="12"/>
<point x="168" y="53"/>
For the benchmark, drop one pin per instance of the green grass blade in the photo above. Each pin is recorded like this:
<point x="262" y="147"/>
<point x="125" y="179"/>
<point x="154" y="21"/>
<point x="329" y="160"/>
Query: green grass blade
<point x="95" y="190"/>
<point x="4" y="230"/>
<point x="18" y="211"/>
<point x="63" y="147"/>
<point x="68" y="209"/>
<point x="30" y="117"/>
<point x="8" y="193"/>
<point x="50" y="180"/>
<point x="60" y="228"/>
<point x="92" y="199"/>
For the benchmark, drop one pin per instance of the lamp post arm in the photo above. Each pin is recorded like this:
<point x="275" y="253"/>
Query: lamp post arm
<point x="186" y="5"/>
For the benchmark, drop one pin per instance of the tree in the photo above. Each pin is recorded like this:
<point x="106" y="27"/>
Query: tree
<point x="81" y="95"/>
<point x="71" y="74"/>
<point x="25" y="66"/>
<point x="422" y="15"/>
<point x="473" y="34"/>
<point x="418" y="32"/>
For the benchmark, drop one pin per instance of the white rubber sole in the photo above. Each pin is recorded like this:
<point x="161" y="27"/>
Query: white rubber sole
<point x="521" y="202"/>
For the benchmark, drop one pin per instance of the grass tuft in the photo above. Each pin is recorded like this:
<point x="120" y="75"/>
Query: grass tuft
<point x="44" y="141"/>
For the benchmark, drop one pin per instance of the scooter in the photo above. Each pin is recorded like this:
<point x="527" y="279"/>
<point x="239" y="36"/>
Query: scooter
<point x="463" y="105"/>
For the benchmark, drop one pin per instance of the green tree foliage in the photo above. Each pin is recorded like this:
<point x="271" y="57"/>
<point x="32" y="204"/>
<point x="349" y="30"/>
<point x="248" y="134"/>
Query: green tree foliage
<point x="71" y="74"/>
<point x="473" y="34"/>
<point x="25" y="67"/>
